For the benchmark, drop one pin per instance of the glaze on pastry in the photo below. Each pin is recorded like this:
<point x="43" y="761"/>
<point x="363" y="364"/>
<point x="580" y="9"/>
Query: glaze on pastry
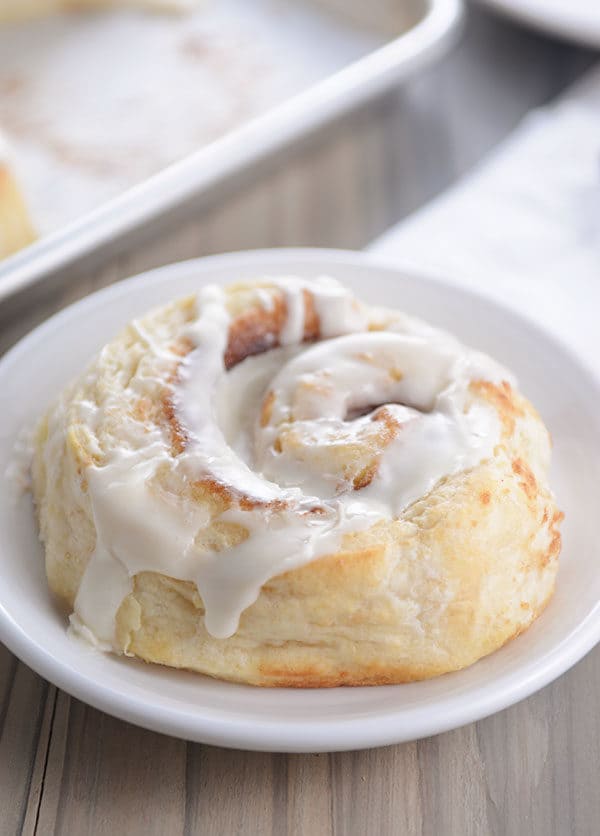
<point x="275" y="484"/>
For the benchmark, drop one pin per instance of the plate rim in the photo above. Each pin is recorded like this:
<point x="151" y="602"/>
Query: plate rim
<point x="280" y="735"/>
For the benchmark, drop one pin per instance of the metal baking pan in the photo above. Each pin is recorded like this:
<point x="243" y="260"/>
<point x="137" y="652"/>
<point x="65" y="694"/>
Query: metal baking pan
<point x="117" y="118"/>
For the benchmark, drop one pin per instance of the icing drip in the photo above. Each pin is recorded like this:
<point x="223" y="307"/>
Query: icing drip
<point x="312" y="442"/>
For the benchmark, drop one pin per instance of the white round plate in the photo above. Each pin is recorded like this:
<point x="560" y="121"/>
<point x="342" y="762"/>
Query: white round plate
<point x="573" y="20"/>
<point x="199" y="708"/>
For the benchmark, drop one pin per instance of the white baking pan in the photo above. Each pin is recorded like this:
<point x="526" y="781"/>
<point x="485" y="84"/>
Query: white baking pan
<point x="212" y="93"/>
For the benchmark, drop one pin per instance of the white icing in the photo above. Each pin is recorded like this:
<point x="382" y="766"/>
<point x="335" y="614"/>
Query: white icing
<point x="320" y="387"/>
<point x="338" y="311"/>
<point x="422" y="375"/>
<point x="293" y="328"/>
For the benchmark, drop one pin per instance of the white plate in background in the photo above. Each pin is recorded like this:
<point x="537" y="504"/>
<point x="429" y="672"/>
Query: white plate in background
<point x="198" y="708"/>
<point x="573" y="20"/>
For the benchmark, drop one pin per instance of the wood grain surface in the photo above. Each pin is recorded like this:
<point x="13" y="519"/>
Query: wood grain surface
<point x="68" y="769"/>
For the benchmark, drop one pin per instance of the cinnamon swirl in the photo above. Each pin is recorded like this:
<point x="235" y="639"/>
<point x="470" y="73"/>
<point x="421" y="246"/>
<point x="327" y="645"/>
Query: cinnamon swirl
<point x="276" y="484"/>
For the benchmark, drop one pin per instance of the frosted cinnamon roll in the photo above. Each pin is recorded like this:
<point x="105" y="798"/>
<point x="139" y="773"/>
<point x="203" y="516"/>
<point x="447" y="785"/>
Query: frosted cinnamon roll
<point x="276" y="484"/>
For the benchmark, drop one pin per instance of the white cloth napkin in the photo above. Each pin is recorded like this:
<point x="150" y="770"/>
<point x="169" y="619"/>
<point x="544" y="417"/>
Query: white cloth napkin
<point x="525" y="226"/>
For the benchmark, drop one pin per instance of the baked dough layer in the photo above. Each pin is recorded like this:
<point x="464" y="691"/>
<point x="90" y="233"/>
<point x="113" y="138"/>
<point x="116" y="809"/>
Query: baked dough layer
<point x="461" y="571"/>
<point x="16" y="230"/>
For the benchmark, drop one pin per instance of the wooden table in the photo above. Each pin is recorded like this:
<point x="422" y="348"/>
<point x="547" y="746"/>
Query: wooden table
<point x="533" y="769"/>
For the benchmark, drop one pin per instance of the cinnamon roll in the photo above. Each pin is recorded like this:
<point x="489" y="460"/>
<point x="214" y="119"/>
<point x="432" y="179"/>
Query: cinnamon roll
<point x="276" y="484"/>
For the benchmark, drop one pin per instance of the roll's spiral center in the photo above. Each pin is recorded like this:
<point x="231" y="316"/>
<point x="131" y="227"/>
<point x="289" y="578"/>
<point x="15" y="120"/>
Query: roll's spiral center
<point x="332" y="411"/>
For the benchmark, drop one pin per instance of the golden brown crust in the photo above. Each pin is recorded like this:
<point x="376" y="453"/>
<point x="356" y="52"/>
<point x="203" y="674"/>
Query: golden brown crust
<point x="502" y="397"/>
